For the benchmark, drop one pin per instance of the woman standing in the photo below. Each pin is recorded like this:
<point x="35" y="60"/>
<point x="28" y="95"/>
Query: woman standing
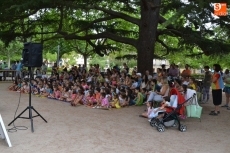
<point x="227" y="88"/>
<point x="217" y="85"/>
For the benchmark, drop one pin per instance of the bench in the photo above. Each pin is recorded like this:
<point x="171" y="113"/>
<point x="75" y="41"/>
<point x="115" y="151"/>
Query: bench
<point x="7" y="73"/>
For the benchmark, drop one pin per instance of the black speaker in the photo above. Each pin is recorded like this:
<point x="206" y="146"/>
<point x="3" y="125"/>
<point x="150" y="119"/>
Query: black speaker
<point x="32" y="55"/>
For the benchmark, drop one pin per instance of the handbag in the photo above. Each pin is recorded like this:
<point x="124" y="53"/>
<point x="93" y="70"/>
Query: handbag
<point x="194" y="110"/>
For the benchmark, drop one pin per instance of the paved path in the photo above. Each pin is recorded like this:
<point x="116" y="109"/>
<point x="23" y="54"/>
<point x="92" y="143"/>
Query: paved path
<point x="84" y="130"/>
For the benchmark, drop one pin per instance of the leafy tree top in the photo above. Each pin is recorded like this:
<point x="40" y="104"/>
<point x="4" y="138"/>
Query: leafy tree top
<point x="182" y="25"/>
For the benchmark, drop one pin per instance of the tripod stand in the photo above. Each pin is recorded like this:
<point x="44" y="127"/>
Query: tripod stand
<point x="30" y="108"/>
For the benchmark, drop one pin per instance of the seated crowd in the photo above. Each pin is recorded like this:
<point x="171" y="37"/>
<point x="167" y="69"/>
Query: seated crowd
<point x="114" y="88"/>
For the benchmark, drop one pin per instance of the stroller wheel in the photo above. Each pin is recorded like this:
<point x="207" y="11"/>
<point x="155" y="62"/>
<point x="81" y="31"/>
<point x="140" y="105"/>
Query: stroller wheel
<point x="154" y="122"/>
<point x="183" y="128"/>
<point x="160" y="128"/>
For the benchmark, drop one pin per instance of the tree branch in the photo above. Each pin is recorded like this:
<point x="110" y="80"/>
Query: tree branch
<point x="170" y="27"/>
<point x="108" y="35"/>
<point x="110" y="12"/>
<point x="96" y="21"/>
<point x="120" y="15"/>
<point x="164" y="45"/>
<point x="194" y="54"/>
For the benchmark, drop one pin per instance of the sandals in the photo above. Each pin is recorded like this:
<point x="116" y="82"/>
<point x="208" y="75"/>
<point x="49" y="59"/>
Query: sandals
<point x="213" y="113"/>
<point x="218" y="112"/>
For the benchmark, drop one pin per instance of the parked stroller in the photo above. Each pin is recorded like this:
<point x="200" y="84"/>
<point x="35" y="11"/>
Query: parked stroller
<point x="170" y="119"/>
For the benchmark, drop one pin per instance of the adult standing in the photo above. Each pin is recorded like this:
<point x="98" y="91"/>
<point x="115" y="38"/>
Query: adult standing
<point x="173" y="71"/>
<point x="13" y="67"/>
<point x="226" y="78"/>
<point x="44" y="68"/>
<point x="206" y="84"/>
<point x="186" y="72"/>
<point x="164" y="70"/>
<point x="18" y="69"/>
<point x="217" y="85"/>
<point x="226" y="74"/>
<point x="126" y="68"/>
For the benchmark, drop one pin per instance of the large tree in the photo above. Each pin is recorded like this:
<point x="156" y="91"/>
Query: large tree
<point x="132" y="22"/>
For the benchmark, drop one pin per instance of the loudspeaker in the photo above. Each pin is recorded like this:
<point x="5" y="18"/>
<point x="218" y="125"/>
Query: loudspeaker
<point x="32" y="55"/>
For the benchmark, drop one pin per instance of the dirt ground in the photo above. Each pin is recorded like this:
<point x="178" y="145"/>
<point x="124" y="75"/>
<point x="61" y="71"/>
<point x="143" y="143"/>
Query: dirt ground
<point x="85" y="130"/>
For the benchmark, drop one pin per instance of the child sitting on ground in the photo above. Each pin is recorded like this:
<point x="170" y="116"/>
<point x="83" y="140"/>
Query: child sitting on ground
<point x="115" y="102"/>
<point x="108" y="94"/>
<point x="56" y="93"/>
<point x="14" y="86"/>
<point x="47" y="90"/>
<point x="78" y="99"/>
<point x="65" y="94"/>
<point x="97" y="97"/>
<point x="122" y="99"/>
<point x="104" y="101"/>
<point x="149" y="110"/>
<point x="144" y="93"/>
<point x="139" y="99"/>
<point x="25" y="87"/>
<point x="90" y="98"/>
<point x="72" y="97"/>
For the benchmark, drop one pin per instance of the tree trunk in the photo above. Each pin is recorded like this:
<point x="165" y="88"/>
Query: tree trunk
<point x="147" y="34"/>
<point x="8" y="61"/>
<point x="8" y="58"/>
<point x="85" y="60"/>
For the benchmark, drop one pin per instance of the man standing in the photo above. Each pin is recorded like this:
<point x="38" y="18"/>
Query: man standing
<point x="206" y="84"/>
<point x="186" y="72"/>
<point x="173" y="71"/>
<point x="44" y="68"/>
<point x="18" y="69"/>
<point x="126" y="68"/>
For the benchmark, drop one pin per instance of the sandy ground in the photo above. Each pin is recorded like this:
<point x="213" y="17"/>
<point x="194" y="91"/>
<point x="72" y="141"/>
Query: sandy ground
<point x="85" y="130"/>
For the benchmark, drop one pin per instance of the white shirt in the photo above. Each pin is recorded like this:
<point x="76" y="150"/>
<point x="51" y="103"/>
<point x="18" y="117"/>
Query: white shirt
<point x="135" y="84"/>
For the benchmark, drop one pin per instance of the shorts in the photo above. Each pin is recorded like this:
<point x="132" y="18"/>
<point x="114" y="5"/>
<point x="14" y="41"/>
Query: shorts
<point x="226" y="90"/>
<point x="217" y="97"/>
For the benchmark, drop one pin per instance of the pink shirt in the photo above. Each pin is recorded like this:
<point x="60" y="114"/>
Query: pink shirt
<point x="104" y="102"/>
<point x="114" y="82"/>
<point x="73" y="96"/>
<point x="91" y="98"/>
<point x="85" y="86"/>
<point x="57" y="94"/>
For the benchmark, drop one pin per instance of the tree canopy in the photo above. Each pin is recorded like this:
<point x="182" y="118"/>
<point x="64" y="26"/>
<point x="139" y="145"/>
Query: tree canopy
<point x="153" y="27"/>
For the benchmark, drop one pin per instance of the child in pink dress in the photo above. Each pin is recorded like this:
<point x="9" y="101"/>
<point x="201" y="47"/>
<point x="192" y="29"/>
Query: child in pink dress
<point x="78" y="99"/>
<point x="56" y="93"/>
<point x="90" y="99"/>
<point x="65" y="94"/>
<point x="72" y="97"/>
<point x="104" y="101"/>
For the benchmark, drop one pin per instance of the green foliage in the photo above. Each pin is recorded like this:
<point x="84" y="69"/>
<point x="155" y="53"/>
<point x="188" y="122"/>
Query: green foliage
<point x="11" y="52"/>
<point x="187" y="32"/>
<point x="50" y="57"/>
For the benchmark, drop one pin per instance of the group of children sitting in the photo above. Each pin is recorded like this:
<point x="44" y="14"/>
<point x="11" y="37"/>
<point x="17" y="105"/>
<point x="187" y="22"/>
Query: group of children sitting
<point x="81" y="92"/>
<point x="112" y="90"/>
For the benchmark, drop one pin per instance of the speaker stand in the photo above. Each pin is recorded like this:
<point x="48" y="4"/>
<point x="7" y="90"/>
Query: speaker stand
<point x="30" y="108"/>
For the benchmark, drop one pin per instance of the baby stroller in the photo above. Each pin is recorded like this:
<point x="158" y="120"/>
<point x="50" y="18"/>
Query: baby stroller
<point x="170" y="119"/>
